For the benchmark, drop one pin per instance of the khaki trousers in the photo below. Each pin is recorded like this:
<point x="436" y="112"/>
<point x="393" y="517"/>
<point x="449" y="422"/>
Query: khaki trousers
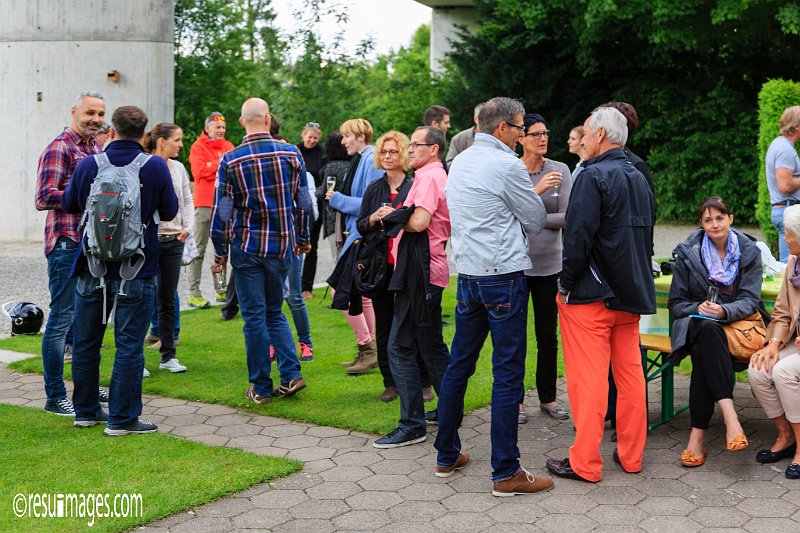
<point x="202" y="225"/>
<point x="778" y="391"/>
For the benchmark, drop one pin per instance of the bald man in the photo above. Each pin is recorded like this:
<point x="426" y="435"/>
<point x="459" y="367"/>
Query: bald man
<point x="261" y="209"/>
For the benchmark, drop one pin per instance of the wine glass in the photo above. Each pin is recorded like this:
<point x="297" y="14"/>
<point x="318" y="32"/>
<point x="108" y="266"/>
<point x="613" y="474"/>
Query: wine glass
<point x="555" y="187"/>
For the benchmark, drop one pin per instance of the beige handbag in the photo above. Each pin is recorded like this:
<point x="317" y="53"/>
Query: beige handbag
<point x="745" y="336"/>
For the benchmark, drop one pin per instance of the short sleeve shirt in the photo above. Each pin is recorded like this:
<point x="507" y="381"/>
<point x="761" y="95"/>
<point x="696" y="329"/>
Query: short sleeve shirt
<point x="781" y="154"/>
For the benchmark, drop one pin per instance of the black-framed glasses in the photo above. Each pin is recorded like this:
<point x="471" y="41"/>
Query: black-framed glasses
<point x="417" y="145"/>
<point x="537" y="134"/>
<point x="312" y="124"/>
<point x="385" y="153"/>
<point x="520" y="128"/>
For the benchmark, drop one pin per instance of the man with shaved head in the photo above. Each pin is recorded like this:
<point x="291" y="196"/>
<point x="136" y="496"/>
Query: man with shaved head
<point x="261" y="212"/>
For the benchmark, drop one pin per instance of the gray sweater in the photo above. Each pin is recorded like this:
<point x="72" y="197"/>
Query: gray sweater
<point x="545" y="248"/>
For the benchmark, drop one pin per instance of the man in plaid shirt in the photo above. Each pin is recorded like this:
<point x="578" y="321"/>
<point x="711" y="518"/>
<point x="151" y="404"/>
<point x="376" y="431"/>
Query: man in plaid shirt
<point x="261" y="206"/>
<point x="61" y="237"/>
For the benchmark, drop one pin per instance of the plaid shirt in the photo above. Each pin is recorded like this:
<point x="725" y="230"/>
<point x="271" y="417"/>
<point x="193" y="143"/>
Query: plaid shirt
<point x="261" y="202"/>
<point x="56" y="165"/>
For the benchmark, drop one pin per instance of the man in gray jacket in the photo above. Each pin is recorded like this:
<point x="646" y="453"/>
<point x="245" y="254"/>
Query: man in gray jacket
<point x="492" y="207"/>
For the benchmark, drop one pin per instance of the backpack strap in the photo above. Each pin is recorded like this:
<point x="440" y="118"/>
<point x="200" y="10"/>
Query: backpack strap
<point x="101" y="160"/>
<point x="139" y="161"/>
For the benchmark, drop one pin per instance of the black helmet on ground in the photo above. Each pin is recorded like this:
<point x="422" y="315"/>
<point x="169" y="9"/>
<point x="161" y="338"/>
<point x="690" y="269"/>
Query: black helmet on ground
<point x="26" y="318"/>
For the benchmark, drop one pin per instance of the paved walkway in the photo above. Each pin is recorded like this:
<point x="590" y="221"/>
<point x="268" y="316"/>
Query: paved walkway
<point x="347" y="485"/>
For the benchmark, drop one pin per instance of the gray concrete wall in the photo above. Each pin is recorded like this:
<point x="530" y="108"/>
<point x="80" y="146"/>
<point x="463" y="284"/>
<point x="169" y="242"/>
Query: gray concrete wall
<point x="443" y="30"/>
<point x="50" y="51"/>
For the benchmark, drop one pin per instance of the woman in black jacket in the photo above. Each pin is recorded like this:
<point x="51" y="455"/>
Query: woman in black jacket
<point x="717" y="276"/>
<point x="315" y="158"/>
<point x="381" y="198"/>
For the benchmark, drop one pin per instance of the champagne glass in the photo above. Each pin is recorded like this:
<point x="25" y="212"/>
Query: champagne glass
<point x="713" y="294"/>
<point x="555" y="187"/>
<point x="331" y="183"/>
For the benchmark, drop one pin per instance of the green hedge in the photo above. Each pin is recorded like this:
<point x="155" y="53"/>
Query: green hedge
<point x="774" y="97"/>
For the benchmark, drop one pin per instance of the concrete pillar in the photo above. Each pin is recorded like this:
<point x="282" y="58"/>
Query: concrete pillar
<point x="50" y="51"/>
<point x="447" y="14"/>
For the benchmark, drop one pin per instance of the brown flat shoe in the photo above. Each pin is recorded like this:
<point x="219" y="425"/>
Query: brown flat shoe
<point x="389" y="394"/>
<point x="739" y="442"/>
<point x="446" y="471"/>
<point x="689" y="459"/>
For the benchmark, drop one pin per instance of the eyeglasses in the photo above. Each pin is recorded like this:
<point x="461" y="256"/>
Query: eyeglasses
<point x="417" y="145"/>
<point x="312" y="125"/>
<point x="537" y="134"/>
<point x="392" y="153"/>
<point x="520" y="128"/>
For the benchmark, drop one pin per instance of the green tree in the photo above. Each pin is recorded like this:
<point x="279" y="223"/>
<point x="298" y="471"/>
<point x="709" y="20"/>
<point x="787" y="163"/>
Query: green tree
<point x="692" y="68"/>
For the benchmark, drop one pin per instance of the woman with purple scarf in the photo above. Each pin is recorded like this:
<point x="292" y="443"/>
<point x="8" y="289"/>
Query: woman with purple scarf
<point x="716" y="280"/>
<point x="774" y="371"/>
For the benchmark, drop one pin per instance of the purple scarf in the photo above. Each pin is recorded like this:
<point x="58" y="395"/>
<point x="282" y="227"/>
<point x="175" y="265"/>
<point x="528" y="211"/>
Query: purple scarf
<point x="722" y="271"/>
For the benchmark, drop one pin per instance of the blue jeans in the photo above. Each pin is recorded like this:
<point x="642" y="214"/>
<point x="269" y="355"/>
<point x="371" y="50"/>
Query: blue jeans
<point x="59" y="321"/>
<point x="777" y="221"/>
<point x="130" y="327"/>
<point x="294" y="297"/>
<point x="154" y="317"/>
<point x="404" y="349"/>
<point x="259" y="286"/>
<point x="496" y="305"/>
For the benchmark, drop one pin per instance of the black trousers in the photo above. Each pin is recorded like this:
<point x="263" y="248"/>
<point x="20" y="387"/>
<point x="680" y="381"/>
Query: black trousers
<point x="383" y="305"/>
<point x="310" y="263"/>
<point x="170" y="255"/>
<point x="543" y="291"/>
<point x="231" y="306"/>
<point x="712" y="370"/>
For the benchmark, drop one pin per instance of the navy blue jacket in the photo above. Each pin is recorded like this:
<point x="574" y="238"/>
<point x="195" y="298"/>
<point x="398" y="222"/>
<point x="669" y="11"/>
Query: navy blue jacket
<point x="157" y="194"/>
<point x="608" y="236"/>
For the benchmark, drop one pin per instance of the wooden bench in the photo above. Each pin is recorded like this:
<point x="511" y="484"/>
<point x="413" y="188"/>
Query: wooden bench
<point x="658" y="366"/>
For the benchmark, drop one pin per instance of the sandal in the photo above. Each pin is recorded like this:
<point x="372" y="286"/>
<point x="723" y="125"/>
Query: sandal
<point x="739" y="442"/>
<point x="689" y="459"/>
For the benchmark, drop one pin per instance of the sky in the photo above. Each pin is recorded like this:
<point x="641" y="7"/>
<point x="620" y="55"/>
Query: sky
<point x="390" y="22"/>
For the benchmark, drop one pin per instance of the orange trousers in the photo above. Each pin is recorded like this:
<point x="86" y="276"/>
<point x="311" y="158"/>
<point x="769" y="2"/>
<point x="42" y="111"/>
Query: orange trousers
<point x="593" y="337"/>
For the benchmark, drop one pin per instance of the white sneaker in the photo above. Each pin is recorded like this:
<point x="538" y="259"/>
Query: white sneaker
<point x="173" y="365"/>
<point x="145" y="373"/>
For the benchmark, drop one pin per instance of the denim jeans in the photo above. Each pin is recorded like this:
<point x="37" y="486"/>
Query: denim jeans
<point x="130" y="327"/>
<point x="777" y="221"/>
<point x="426" y="341"/>
<point x="294" y="298"/>
<point x="154" y="317"/>
<point x="496" y="305"/>
<point x="59" y="321"/>
<point x="259" y="286"/>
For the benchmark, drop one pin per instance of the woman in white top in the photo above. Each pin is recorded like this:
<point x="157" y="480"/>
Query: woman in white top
<point x="574" y="144"/>
<point x="165" y="141"/>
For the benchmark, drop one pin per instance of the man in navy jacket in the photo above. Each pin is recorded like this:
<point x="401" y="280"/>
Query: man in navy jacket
<point x="131" y="316"/>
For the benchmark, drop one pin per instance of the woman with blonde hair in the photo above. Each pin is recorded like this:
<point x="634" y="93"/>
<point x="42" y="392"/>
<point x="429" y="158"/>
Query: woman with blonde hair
<point x="315" y="158"/>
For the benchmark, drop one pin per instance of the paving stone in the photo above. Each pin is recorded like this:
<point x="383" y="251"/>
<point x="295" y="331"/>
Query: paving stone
<point x="521" y="511"/>
<point x="363" y="520"/>
<point x="296" y="442"/>
<point x="239" y="430"/>
<point x="37" y="394"/>
<point x="325" y="431"/>
<point x="770" y="525"/>
<point x="333" y="490"/>
<point x="374" y="500"/>
<point x="226" y="507"/>
<point x="662" y="487"/>
<point x="325" y="509"/>
<point x="750" y="472"/>
<point x="346" y="473"/>
<point x="14" y="400"/>
<point x="559" y="523"/>
<point x="193" y="431"/>
<point x="757" y="489"/>
<point x="616" y="514"/>
<point x="253" y="491"/>
<point x="463" y="483"/>
<point x="713" y="497"/>
<point x="402" y="466"/>
<point x="279" y="499"/>
<point x="262" y="518"/>
<point x="269" y="451"/>
<point x="707" y="480"/>
<point x="381" y="482"/>
<point x="427" y="492"/>
<point x="472" y="502"/>
<point x="767" y="507"/>
<point x="575" y="504"/>
<point x="311" y="454"/>
<point x="173" y="520"/>
<point x="215" y="410"/>
<point x="406" y="452"/>
<point x="164" y="428"/>
<point x="305" y="525"/>
<point x="227" y="420"/>
<point x="341" y="442"/>
<point x="320" y="465"/>
<point x="461" y="521"/>
<point x="252" y="441"/>
<point x="609" y="528"/>
<point x="211" y="440"/>
<point x="670" y="524"/>
<point x="663" y="471"/>
<point x="186" y="420"/>
<point x="720" y="516"/>
<point x="616" y="495"/>
<point x="666" y="506"/>
<point x="357" y="458"/>
<point x="417" y="510"/>
<point x="210" y="524"/>
<point x="298" y="481"/>
<point x="31" y="386"/>
<point x="176" y="410"/>
<point x="406" y="526"/>
<point x="284" y="430"/>
<point x="793" y="497"/>
<point x="616" y="477"/>
<point x="165" y="402"/>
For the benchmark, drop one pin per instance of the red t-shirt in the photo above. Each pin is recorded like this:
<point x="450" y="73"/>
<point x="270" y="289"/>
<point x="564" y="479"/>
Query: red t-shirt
<point x="392" y="251"/>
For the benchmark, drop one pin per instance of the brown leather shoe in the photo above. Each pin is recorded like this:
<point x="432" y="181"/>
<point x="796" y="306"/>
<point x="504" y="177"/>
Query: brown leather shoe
<point x="446" y="471"/>
<point x="427" y="394"/>
<point x="389" y="394"/>
<point x="368" y="358"/>
<point x="285" y="390"/>
<point x="522" y="482"/>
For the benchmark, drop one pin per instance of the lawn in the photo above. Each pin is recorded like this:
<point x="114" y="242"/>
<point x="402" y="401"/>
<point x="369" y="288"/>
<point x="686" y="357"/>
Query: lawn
<point x="44" y="454"/>
<point x="214" y="352"/>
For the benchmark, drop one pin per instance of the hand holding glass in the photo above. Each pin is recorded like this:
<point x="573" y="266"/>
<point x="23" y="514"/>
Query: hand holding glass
<point x="331" y="184"/>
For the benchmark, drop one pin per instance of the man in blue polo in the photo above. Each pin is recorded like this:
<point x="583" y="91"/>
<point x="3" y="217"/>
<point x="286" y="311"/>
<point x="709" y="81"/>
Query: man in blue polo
<point x="132" y="304"/>
<point x="262" y="205"/>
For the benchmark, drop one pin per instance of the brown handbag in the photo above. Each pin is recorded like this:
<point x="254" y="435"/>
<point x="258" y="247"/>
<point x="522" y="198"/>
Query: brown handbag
<point x="745" y="336"/>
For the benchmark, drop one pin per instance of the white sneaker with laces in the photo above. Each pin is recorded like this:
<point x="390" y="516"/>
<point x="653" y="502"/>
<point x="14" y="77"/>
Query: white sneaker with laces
<point x="145" y="373"/>
<point x="173" y="365"/>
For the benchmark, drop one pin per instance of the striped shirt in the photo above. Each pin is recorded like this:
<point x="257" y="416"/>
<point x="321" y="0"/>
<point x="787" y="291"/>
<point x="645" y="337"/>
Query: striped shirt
<point x="261" y="203"/>
<point x="56" y="165"/>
